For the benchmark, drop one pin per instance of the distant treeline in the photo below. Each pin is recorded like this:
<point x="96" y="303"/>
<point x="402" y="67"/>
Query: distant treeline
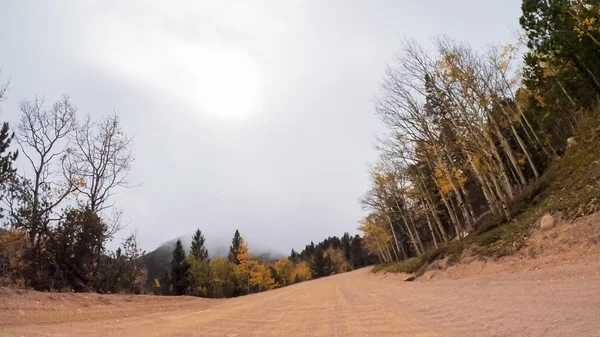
<point x="334" y="255"/>
<point x="241" y="273"/>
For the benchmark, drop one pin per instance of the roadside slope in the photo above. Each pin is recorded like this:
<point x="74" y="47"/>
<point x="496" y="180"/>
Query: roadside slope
<point x="560" y="300"/>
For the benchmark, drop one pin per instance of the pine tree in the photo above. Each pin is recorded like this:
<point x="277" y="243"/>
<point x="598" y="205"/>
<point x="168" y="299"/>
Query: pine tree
<point x="6" y="159"/>
<point x="164" y="284"/>
<point x="234" y="248"/>
<point x="180" y="270"/>
<point x="199" y="266"/>
<point x="198" y="249"/>
<point x="6" y="136"/>
<point x="357" y="253"/>
<point x="345" y="245"/>
<point x="294" y="256"/>
<point x="320" y="264"/>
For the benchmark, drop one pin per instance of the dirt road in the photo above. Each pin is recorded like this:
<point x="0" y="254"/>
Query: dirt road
<point x="562" y="301"/>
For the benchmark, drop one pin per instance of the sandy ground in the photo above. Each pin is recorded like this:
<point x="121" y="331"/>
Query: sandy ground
<point x="552" y="289"/>
<point x="561" y="301"/>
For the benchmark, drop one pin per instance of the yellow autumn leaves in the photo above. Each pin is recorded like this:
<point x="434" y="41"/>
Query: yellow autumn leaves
<point x="255" y="275"/>
<point x="12" y="247"/>
<point x="250" y="273"/>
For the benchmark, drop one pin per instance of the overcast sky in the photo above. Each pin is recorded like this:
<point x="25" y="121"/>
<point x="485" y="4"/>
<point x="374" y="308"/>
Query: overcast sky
<point x="253" y="115"/>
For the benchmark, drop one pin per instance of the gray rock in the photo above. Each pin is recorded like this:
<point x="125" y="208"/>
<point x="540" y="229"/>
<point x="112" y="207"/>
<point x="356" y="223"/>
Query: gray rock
<point x="547" y="222"/>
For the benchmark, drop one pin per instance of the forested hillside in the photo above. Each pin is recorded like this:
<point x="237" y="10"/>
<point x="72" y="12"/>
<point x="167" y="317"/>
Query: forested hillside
<point x="478" y="137"/>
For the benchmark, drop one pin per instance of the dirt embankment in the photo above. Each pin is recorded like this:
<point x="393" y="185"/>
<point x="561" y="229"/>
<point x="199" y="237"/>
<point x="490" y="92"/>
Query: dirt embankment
<point x="24" y="307"/>
<point x="567" y="244"/>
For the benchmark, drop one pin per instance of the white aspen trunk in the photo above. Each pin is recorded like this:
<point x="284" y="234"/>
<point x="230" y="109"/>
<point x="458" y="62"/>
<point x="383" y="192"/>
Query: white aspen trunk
<point x="520" y="142"/>
<point x="469" y="207"/>
<point x="394" y="235"/>
<point x="500" y="194"/>
<point x="514" y="131"/>
<point x="484" y="188"/>
<point x="461" y="202"/>
<point x="509" y="152"/>
<point x="502" y="168"/>
<point x="521" y="114"/>
<point x="566" y="93"/>
<point x="431" y="230"/>
<point x="459" y="197"/>
<point x="404" y="256"/>
<point x="589" y="73"/>
<point x="453" y="217"/>
<point x="387" y="248"/>
<point x="432" y="208"/>
<point x="412" y="236"/>
<point x="417" y="235"/>
<point x="525" y="151"/>
<point x="492" y="147"/>
<point x="380" y="258"/>
<point x="378" y="246"/>
<point x="459" y="230"/>
<point x="381" y="251"/>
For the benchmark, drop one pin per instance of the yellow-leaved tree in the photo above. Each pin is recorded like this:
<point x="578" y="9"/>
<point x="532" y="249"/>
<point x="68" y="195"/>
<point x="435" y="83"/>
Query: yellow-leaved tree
<point x="242" y="270"/>
<point x="376" y="238"/>
<point x="261" y="278"/>
<point x="13" y="244"/>
<point x="339" y="262"/>
<point x="284" y="268"/>
<point x="301" y="272"/>
<point x="222" y="277"/>
<point x="200" y="276"/>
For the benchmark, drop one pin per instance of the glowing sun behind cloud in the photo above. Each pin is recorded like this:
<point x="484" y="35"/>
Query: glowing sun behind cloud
<point x="226" y="84"/>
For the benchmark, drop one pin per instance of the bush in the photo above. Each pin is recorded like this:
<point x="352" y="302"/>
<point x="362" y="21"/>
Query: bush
<point x="13" y="245"/>
<point x="408" y="266"/>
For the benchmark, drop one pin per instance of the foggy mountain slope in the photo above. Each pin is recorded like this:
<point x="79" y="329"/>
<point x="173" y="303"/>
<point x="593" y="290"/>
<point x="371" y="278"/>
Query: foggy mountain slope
<point x="158" y="260"/>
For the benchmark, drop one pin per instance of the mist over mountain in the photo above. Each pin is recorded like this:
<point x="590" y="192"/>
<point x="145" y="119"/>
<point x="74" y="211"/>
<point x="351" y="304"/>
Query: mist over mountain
<point x="158" y="260"/>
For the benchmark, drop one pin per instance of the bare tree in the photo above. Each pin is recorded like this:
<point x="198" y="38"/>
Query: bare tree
<point x="43" y="135"/>
<point x="101" y="161"/>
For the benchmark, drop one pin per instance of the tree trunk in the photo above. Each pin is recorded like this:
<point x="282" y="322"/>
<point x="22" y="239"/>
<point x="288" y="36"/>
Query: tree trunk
<point x="432" y="231"/>
<point x="525" y="151"/>
<point x="411" y="236"/>
<point x="395" y="238"/>
<point x="484" y="188"/>
<point x="509" y="152"/>
<point x="432" y="208"/>
<point x="500" y="195"/>
<point x="459" y="198"/>
<point x="416" y="231"/>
